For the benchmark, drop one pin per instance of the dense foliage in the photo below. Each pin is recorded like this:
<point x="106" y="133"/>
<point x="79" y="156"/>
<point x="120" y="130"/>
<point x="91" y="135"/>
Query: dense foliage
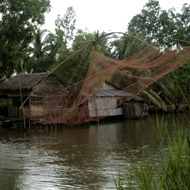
<point x="18" y="20"/>
<point x="24" y="47"/>
<point x="156" y="27"/>
<point x="164" y="29"/>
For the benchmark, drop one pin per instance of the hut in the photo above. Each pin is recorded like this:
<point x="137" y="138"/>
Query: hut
<point x="105" y="102"/>
<point x="15" y="90"/>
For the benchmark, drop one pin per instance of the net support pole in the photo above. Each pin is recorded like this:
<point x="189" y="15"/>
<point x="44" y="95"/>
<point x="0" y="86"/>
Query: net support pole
<point x="21" y="97"/>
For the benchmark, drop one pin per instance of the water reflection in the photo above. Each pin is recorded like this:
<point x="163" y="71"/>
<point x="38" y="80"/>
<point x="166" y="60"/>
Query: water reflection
<point x="73" y="157"/>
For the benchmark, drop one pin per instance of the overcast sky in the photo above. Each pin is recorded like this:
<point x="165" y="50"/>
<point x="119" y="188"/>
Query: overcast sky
<point x="103" y="15"/>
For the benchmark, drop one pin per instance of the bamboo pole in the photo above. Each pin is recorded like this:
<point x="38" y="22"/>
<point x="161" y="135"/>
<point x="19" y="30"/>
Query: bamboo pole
<point x="21" y="97"/>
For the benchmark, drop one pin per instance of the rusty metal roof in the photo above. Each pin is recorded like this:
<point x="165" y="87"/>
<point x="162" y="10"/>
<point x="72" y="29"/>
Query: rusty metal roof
<point x="117" y="93"/>
<point x="112" y="92"/>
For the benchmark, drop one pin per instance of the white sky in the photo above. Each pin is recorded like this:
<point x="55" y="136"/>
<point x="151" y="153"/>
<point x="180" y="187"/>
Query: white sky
<point x="103" y="15"/>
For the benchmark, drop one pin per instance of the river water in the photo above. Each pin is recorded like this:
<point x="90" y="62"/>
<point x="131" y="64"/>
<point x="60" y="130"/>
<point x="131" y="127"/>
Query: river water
<point x="82" y="157"/>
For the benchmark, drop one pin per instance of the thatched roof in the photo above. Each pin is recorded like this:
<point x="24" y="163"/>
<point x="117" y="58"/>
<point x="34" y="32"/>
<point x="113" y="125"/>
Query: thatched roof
<point x="23" y="81"/>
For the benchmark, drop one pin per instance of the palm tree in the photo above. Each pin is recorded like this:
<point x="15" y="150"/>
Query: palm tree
<point x="42" y="52"/>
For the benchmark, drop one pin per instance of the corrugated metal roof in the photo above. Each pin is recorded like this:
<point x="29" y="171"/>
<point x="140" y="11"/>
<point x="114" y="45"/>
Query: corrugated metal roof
<point x="116" y="93"/>
<point x="112" y="92"/>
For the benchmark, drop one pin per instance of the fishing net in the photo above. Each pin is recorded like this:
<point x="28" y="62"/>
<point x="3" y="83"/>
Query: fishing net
<point x="86" y="100"/>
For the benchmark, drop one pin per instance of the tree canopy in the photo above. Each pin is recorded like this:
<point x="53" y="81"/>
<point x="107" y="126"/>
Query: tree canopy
<point x="25" y="47"/>
<point x="19" y="19"/>
<point x="166" y="28"/>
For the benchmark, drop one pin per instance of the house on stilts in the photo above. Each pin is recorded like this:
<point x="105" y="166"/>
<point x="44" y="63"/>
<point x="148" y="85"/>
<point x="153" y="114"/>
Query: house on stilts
<point x="21" y="89"/>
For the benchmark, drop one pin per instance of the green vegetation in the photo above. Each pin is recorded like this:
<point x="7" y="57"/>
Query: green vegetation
<point x="5" y="102"/>
<point x="18" y="21"/>
<point x="171" y="170"/>
<point x="24" y="47"/>
<point x="164" y="29"/>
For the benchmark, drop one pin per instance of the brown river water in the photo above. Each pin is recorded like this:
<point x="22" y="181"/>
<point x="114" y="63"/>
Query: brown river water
<point x="82" y="157"/>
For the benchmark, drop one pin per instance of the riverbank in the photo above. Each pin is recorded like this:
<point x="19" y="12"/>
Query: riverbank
<point x="135" y="113"/>
<point x="171" y="169"/>
<point x="181" y="108"/>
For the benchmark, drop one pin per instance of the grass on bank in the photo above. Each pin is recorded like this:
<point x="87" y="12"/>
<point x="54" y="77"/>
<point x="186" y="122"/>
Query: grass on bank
<point x="170" y="171"/>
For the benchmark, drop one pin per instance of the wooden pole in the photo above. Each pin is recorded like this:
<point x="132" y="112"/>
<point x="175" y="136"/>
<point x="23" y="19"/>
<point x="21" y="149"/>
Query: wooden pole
<point x="21" y="98"/>
<point x="29" y="118"/>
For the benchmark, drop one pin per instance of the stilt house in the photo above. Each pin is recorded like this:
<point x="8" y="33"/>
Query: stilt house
<point x="15" y="90"/>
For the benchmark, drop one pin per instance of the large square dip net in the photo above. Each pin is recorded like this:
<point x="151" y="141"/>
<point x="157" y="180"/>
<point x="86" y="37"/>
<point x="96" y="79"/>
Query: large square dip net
<point x="85" y="100"/>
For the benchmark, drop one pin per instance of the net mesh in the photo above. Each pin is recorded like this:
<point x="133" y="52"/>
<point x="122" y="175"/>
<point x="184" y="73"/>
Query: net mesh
<point x="80" y="102"/>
